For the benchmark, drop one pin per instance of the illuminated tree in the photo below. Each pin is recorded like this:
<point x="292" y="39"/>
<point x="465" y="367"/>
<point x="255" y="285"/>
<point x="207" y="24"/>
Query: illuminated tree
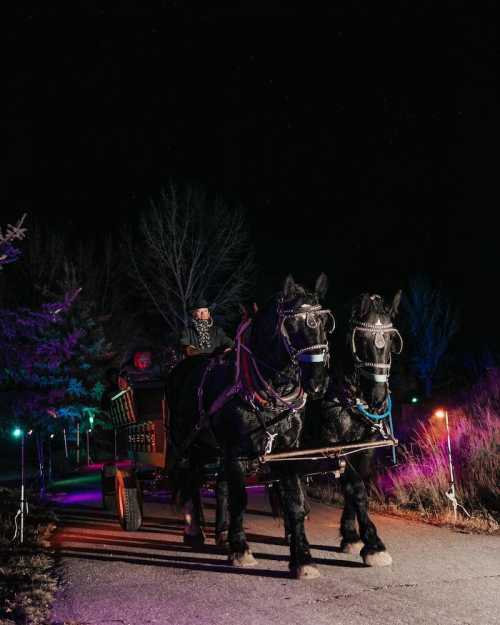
<point x="431" y="323"/>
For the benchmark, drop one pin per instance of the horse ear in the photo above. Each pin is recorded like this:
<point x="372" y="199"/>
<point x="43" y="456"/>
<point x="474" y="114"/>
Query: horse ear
<point x="395" y="304"/>
<point x="321" y="285"/>
<point x="289" y="287"/>
<point x="255" y="308"/>
<point x="365" y="305"/>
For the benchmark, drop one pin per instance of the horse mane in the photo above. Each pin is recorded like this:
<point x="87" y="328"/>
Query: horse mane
<point x="366" y="303"/>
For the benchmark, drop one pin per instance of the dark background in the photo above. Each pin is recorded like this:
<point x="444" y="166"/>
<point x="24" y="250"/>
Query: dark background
<point x="361" y="142"/>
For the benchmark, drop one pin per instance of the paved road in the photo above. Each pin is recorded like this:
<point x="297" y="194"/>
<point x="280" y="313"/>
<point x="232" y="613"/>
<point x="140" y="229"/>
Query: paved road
<point x="439" y="576"/>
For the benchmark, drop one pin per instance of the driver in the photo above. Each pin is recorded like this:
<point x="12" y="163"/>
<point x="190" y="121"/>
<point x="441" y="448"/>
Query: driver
<point x="201" y="335"/>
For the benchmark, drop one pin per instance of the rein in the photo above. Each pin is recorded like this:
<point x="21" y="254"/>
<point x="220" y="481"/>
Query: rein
<point x="373" y="416"/>
<point x="249" y="383"/>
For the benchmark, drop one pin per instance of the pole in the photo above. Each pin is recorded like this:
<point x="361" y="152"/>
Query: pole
<point x="451" y="493"/>
<point x="41" y="462"/>
<point x="22" y="489"/>
<point x="78" y="443"/>
<point x="65" y="443"/>
<point x="88" y="447"/>
<point x="394" y="460"/>
<point x="50" y="458"/>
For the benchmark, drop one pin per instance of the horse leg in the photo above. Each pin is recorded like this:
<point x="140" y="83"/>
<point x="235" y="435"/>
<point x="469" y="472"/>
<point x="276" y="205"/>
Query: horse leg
<point x="239" y="550"/>
<point x="221" y="511"/>
<point x="351" y="540"/>
<point x="374" y="552"/>
<point x="294" y="510"/>
<point x="191" y="505"/>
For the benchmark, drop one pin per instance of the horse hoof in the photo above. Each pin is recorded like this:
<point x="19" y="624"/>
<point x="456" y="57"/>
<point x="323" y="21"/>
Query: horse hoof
<point x="194" y="540"/>
<point x="352" y="549"/>
<point x="221" y="541"/>
<point x="242" y="559"/>
<point x="379" y="558"/>
<point x="306" y="571"/>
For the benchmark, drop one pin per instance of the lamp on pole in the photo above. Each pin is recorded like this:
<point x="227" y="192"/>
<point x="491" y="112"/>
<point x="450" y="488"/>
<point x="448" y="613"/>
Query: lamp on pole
<point x="23" y="508"/>
<point x="451" y="493"/>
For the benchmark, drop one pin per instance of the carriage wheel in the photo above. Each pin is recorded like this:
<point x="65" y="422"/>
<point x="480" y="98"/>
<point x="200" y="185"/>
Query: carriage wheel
<point x="108" y="478"/>
<point x="128" y="500"/>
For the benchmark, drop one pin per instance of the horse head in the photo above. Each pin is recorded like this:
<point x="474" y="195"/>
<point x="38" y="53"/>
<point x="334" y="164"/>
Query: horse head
<point x="303" y="325"/>
<point x="372" y="339"/>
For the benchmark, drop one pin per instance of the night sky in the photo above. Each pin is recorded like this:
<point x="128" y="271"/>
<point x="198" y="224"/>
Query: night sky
<point x="360" y="143"/>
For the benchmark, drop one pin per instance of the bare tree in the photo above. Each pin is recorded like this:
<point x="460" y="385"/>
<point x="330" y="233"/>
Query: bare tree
<point x="44" y="258"/>
<point x="17" y="232"/>
<point x="432" y="321"/>
<point x="190" y="248"/>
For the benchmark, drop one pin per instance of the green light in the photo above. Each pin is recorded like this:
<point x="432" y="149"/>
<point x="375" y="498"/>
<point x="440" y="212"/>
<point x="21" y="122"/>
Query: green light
<point x="91" y="419"/>
<point x="17" y="432"/>
<point x="414" y="400"/>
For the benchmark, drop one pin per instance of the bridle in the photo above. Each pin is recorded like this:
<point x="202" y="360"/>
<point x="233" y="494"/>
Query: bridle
<point x="380" y="333"/>
<point x="312" y="314"/>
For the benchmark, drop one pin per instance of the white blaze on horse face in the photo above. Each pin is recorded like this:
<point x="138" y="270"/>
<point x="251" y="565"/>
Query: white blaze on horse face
<point x="379" y="336"/>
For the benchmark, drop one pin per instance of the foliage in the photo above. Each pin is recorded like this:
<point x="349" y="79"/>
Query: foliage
<point x="8" y="252"/>
<point x="431" y="323"/>
<point x="28" y="573"/>
<point x="423" y="477"/>
<point x="189" y="249"/>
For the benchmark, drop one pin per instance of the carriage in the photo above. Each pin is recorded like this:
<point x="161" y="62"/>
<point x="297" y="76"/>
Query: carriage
<point x="259" y="392"/>
<point x="140" y="418"/>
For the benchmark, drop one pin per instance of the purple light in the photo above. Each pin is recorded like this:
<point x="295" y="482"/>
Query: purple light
<point x="78" y="498"/>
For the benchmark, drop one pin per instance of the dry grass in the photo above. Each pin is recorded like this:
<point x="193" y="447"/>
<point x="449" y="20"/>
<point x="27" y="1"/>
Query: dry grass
<point x="417" y="487"/>
<point x="27" y="573"/>
<point x="422" y="479"/>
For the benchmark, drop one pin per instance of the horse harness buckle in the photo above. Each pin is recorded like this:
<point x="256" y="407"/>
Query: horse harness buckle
<point x="269" y="442"/>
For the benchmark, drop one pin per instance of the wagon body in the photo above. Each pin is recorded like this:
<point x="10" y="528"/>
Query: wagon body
<point x="140" y="416"/>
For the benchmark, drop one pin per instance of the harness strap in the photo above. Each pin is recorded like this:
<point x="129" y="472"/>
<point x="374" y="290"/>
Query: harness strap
<point x="246" y="362"/>
<point x="374" y="416"/>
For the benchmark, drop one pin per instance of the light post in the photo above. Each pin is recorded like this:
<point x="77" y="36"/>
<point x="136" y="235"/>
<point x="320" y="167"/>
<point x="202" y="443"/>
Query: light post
<point x="51" y="436"/>
<point x="451" y="494"/>
<point x="78" y="443"/>
<point x="23" y="508"/>
<point x="65" y="444"/>
<point x="88" y="447"/>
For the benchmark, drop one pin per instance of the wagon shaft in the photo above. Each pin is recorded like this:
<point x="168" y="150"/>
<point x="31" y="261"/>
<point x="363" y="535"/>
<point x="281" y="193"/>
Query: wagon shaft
<point x="320" y="453"/>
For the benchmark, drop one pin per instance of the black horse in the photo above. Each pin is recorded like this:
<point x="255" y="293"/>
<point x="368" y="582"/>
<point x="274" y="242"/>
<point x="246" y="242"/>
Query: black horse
<point x="248" y="404"/>
<point x="355" y="409"/>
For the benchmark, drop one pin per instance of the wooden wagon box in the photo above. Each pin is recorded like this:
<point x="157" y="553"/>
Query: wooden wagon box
<point x="141" y="416"/>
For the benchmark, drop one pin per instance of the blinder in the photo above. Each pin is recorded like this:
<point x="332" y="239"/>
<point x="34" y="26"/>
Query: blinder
<point x="396" y="343"/>
<point x="380" y="333"/>
<point x="313" y="318"/>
